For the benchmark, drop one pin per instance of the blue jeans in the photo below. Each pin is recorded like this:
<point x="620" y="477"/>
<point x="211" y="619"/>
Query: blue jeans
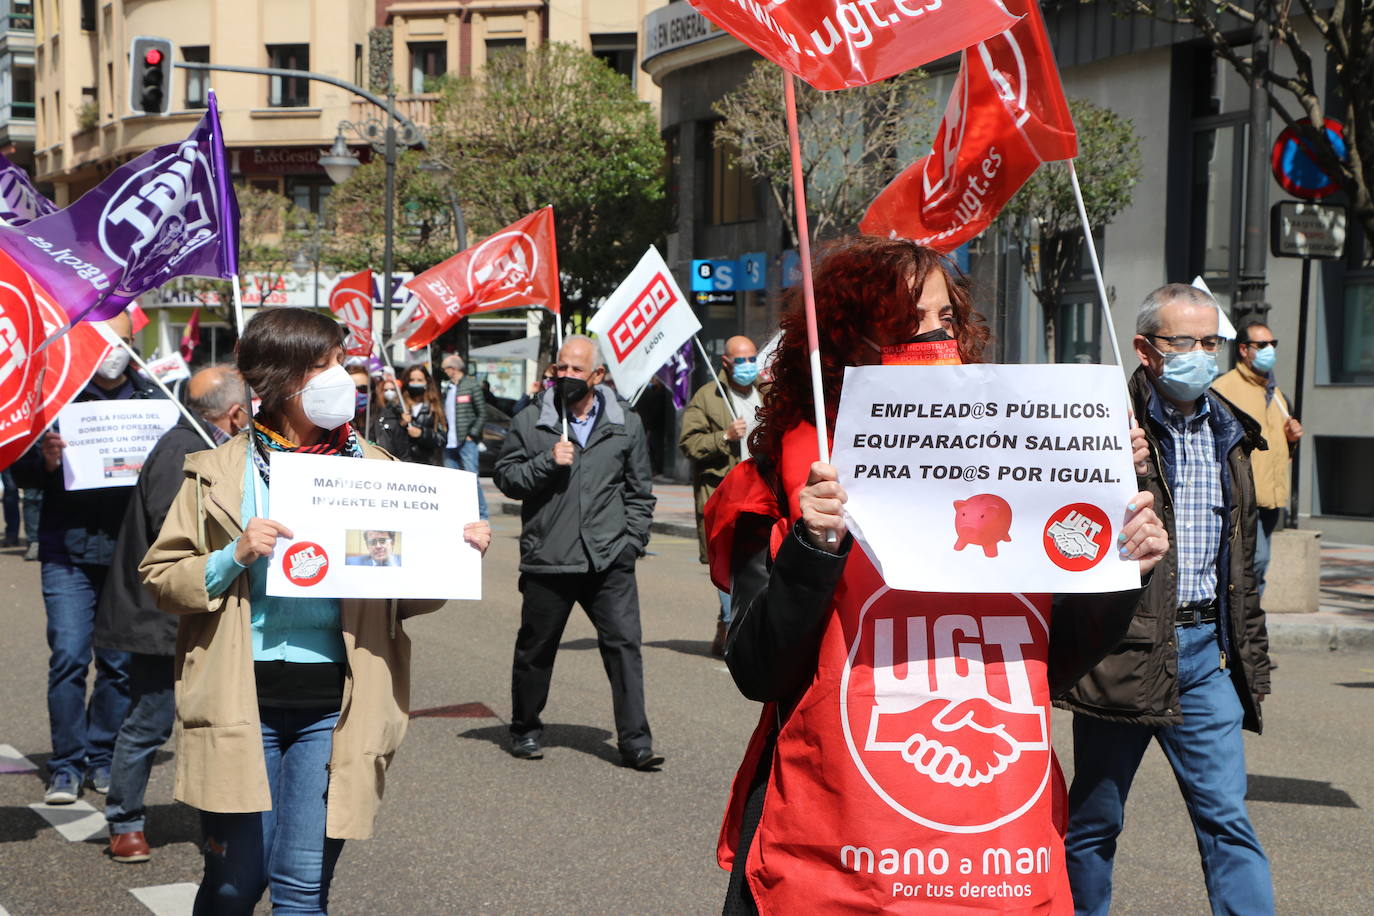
<point x="83" y="735"/>
<point x="1208" y="758"/>
<point x="152" y="708"/>
<point x="464" y="458"/>
<point x="284" y="849"/>
<point x="32" y="507"/>
<point x="1264" y="529"/>
<point x="724" y="606"/>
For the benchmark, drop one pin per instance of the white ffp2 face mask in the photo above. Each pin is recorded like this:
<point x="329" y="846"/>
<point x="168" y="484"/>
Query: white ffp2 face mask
<point x="114" y="364"/>
<point x="328" y="398"/>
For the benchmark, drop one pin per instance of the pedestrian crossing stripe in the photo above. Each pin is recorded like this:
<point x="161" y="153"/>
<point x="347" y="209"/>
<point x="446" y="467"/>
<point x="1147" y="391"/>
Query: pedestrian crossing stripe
<point x="77" y="822"/>
<point x="167" y="899"/>
<point x="11" y="761"/>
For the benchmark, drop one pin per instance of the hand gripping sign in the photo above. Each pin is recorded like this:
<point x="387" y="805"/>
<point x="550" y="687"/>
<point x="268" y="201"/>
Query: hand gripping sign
<point x="988" y="478"/>
<point x="834" y="45"/>
<point x="643" y="323"/>
<point x="1006" y="115"/>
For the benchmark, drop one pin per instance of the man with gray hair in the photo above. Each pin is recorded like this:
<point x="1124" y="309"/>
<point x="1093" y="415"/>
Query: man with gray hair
<point x="586" y="505"/>
<point x="1194" y="665"/>
<point x="466" y="412"/>
<point x="128" y="620"/>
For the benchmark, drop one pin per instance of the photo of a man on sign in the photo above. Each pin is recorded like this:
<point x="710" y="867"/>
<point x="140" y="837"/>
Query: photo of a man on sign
<point x="373" y="548"/>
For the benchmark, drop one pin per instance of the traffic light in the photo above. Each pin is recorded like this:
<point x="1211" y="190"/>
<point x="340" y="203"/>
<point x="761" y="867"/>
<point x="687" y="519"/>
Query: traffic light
<point x="150" y="75"/>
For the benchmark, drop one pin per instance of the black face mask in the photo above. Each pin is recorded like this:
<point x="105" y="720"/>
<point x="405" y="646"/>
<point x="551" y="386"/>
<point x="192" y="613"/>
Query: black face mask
<point x="937" y="334"/>
<point x="416" y="391"/>
<point x="571" y="390"/>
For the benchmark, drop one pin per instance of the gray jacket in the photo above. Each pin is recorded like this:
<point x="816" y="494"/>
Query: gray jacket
<point x="579" y="518"/>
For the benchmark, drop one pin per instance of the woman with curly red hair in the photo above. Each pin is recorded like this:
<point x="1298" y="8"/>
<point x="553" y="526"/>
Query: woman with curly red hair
<point x="904" y="747"/>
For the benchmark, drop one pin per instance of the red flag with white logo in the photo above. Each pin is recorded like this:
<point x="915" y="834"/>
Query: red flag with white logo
<point x="351" y="300"/>
<point x="190" y="338"/>
<point x="835" y="45"/>
<point x="1006" y="115"/>
<point x="515" y="268"/>
<point x="34" y="387"/>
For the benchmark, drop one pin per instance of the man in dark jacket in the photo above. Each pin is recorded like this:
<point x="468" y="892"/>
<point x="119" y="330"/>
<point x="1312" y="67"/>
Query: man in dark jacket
<point x="76" y="538"/>
<point x="127" y="619"/>
<point x="1194" y="664"/>
<point x="587" y="505"/>
<point x="465" y="410"/>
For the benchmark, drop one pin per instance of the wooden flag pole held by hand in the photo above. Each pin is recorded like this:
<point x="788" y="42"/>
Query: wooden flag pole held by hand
<point x="813" y="342"/>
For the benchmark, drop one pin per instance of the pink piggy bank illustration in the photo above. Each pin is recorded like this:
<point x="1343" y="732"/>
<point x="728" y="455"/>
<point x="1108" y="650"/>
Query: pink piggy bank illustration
<point x="984" y="520"/>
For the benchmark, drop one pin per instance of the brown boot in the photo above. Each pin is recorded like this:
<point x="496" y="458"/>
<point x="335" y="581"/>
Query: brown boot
<point x="718" y="644"/>
<point x="130" y="847"/>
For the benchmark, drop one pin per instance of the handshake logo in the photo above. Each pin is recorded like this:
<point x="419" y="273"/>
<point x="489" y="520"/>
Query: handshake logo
<point x="1074" y="536"/>
<point x="939" y="707"/>
<point x="305" y="563"/>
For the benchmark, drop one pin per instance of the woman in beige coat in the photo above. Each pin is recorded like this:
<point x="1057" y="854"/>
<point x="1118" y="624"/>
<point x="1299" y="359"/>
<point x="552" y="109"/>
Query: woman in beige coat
<point x="288" y="709"/>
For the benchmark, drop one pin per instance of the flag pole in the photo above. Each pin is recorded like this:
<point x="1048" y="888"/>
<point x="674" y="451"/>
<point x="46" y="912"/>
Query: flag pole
<point x="706" y="357"/>
<point x="813" y="345"/>
<point x="116" y="341"/>
<point x="558" y="328"/>
<point x="1097" y="265"/>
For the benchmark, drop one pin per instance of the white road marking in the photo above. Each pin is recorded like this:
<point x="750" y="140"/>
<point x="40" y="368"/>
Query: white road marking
<point x="11" y="761"/>
<point x="77" y="822"/>
<point x="4" y="912"/>
<point x="167" y="899"/>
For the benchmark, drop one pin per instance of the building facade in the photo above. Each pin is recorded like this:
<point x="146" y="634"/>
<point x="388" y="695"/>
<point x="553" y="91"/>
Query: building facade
<point x="16" y="81"/>
<point x="1191" y="115"/>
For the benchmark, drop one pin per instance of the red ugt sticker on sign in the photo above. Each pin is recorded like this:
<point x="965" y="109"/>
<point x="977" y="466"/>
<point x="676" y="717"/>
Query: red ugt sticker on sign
<point x="1077" y="537"/>
<point x="305" y="563"/>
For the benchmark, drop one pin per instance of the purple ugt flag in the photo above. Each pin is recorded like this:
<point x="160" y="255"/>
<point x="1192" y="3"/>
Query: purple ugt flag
<point x="171" y="212"/>
<point x="20" y="201"/>
<point x="676" y="374"/>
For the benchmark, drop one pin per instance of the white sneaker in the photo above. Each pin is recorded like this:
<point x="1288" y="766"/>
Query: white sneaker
<point x="63" y="789"/>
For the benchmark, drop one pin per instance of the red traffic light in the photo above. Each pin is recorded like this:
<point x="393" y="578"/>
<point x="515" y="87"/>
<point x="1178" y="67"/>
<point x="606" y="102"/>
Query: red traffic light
<point x="152" y="57"/>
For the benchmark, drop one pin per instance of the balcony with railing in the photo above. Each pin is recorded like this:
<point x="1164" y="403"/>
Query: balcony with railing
<point x="16" y="17"/>
<point x="419" y="108"/>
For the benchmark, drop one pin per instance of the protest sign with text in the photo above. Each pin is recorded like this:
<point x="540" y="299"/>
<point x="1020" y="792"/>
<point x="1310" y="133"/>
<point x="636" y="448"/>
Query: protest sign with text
<point x="372" y="529"/>
<point x="108" y="440"/>
<point x="170" y="368"/>
<point x="988" y="478"/>
<point x="643" y="323"/>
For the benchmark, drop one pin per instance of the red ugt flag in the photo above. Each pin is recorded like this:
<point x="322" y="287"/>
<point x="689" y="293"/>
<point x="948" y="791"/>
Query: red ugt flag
<point x="1006" y="115"/>
<point x="351" y="300"/>
<point x="34" y="387"/>
<point x="515" y="268"/>
<point x="834" y="45"/>
<point x="190" y="338"/>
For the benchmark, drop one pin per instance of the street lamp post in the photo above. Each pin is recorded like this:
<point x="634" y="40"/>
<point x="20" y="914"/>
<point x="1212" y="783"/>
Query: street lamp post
<point x="384" y="138"/>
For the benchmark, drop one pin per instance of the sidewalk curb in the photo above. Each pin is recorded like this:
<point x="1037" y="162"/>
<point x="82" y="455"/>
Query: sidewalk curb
<point x="675" y="529"/>
<point x="1335" y="637"/>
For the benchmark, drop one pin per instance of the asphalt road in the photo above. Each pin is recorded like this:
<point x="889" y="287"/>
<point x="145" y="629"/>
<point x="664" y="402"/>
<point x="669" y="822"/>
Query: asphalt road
<point x="466" y="828"/>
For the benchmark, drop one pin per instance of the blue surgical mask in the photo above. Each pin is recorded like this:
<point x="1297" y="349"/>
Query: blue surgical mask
<point x="745" y="373"/>
<point x="1186" y="376"/>
<point x="1264" y="359"/>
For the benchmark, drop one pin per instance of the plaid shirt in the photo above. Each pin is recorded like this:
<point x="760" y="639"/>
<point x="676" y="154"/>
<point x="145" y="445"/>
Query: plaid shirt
<point x="1195" y="478"/>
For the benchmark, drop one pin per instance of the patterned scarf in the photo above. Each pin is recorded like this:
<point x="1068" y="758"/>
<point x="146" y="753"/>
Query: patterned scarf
<point x="341" y="441"/>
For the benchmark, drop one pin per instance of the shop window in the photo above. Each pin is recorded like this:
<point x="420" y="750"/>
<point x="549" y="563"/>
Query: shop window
<point x="197" y="81"/>
<point x="288" y="91"/>
<point x="731" y="190"/>
<point x="1344" y="485"/>
<point x="428" y="64"/>
<point x="618" y="51"/>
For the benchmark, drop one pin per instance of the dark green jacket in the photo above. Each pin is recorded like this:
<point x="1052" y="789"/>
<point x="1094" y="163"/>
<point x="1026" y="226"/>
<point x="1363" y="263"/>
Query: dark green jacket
<point x="1138" y="681"/>
<point x="580" y="518"/>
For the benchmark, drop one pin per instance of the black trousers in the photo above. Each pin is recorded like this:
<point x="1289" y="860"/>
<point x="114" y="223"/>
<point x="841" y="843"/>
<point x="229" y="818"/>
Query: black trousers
<point x="611" y="600"/>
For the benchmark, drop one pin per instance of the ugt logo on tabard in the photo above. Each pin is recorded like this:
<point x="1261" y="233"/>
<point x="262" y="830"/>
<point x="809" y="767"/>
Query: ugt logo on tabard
<point x="162" y="213"/>
<point x="940" y="711"/>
